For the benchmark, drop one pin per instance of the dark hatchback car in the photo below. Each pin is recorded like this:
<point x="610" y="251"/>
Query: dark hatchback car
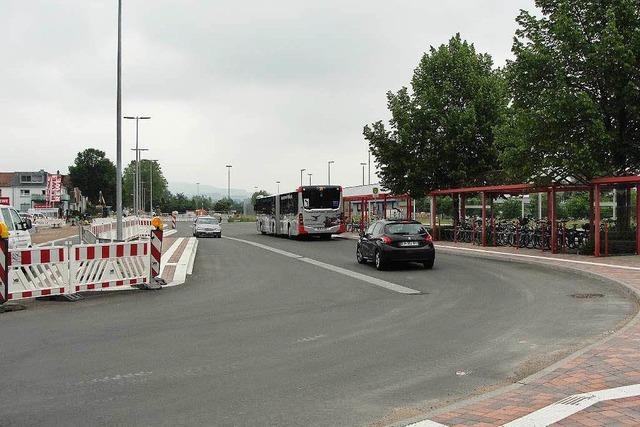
<point x="395" y="241"/>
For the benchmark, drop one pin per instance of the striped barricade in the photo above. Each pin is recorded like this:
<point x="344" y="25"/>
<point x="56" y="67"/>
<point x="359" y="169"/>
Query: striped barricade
<point x="108" y="265"/>
<point x="38" y="272"/>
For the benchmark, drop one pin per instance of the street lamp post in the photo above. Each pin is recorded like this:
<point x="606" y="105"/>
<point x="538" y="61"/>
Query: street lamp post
<point x="310" y="174"/>
<point x="119" y="130"/>
<point x="363" y="164"/>
<point x="229" y="181"/>
<point x="277" y="187"/>
<point x="137" y="150"/>
<point x="329" y="171"/>
<point x="301" y="170"/>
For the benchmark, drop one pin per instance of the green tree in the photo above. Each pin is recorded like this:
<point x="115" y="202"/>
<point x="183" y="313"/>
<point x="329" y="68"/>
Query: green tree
<point x="92" y="172"/>
<point x="255" y="195"/>
<point x="577" y="206"/>
<point x="511" y="208"/>
<point x="576" y="97"/>
<point x="160" y="185"/>
<point x="223" y="205"/>
<point x="441" y="133"/>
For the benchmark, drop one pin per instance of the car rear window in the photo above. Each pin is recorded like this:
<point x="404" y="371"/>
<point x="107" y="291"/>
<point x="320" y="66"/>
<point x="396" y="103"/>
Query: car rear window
<point x="404" y="228"/>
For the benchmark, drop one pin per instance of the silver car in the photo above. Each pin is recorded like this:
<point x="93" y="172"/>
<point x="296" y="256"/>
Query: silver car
<point x="207" y="226"/>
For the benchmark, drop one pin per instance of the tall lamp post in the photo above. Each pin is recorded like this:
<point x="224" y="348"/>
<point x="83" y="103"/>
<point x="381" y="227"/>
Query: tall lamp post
<point x="137" y="150"/>
<point x="329" y="171"/>
<point x="363" y="164"/>
<point x="229" y="181"/>
<point x="301" y="170"/>
<point x="119" y="130"/>
<point x="198" y="194"/>
<point x="277" y="187"/>
<point x="310" y="174"/>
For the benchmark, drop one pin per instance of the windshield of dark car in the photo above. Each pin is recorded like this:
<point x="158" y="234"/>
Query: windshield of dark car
<point x="404" y="228"/>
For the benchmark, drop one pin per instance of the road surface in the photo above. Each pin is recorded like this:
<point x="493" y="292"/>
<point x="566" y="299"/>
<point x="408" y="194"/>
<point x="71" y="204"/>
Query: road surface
<point x="264" y="337"/>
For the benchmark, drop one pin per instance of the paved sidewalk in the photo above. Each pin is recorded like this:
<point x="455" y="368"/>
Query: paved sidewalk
<point x="612" y="363"/>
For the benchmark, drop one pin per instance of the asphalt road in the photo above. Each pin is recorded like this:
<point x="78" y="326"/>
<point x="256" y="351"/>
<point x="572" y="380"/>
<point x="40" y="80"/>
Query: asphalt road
<point x="256" y="337"/>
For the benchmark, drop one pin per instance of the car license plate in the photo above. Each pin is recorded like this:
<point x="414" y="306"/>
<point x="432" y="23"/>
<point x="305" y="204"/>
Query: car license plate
<point x="409" y="244"/>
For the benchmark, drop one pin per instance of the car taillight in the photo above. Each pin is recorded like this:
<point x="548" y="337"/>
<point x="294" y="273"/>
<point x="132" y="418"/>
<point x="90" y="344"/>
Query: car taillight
<point x="428" y="238"/>
<point x="386" y="240"/>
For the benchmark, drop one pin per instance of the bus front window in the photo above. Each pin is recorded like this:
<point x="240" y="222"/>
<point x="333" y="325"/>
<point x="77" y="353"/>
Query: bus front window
<point x="321" y="198"/>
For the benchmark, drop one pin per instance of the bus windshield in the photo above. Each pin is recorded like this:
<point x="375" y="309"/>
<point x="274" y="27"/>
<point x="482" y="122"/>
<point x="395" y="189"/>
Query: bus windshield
<point x="321" y="198"/>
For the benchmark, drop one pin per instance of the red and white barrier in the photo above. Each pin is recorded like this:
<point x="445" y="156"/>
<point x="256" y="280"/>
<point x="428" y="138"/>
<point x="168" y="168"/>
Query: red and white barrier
<point x="38" y="272"/>
<point x="57" y="270"/>
<point x="5" y="262"/>
<point x="155" y="255"/>
<point x="108" y="265"/>
<point x="132" y="228"/>
<point x="174" y="219"/>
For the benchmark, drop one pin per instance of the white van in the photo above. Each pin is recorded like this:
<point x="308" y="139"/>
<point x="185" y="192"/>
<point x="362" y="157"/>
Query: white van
<point x="19" y="236"/>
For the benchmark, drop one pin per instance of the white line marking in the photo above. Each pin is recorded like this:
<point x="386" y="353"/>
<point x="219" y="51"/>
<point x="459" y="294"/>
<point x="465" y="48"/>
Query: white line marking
<point x="192" y="259"/>
<point x="369" y="279"/>
<point x="170" y="233"/>
<point x="427" y="423"/>
<point x="572" y="405"/>
<point x="373" y="280"/>
<point x="268" y="248"/>
<point x="509" y="254"/>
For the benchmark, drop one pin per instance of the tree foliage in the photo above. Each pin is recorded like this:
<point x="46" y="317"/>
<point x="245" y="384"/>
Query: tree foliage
<point x="160" y="185"/>
<point x="255" y="195"/>
<point x="576" y="91"/>
<point x="93" y="172"/>
<point x="441" y="132"/>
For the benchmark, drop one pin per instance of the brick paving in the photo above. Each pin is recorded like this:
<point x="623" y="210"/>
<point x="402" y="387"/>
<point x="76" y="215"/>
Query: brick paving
<point x="612" y="363"/>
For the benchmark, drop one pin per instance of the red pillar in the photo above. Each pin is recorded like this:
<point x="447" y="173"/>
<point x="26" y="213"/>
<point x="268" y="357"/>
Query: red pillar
<point x="551" y="201"/>
<point x="384" y="205"/>
<point x="433" y="217"/>
<point x="596" y="219"/>
<point x="484" y="218"/>
<point x="638" y="219"/>
<point x="463" y="207"/>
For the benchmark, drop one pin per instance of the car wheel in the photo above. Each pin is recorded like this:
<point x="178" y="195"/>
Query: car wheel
<point x="428" y="264"/>
<point x="378" y="261"/>
<point x="361" y="259"/>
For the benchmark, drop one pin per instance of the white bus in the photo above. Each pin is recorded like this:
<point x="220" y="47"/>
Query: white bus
<point x="308" y="211"/>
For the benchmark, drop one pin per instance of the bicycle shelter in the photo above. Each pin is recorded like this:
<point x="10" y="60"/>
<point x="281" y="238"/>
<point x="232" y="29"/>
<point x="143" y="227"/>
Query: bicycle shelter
<point x="595" y="188"/>
<point x="371" y="202"/>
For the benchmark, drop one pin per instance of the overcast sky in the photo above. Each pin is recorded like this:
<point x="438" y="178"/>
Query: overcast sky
<point x="269" y="87"/>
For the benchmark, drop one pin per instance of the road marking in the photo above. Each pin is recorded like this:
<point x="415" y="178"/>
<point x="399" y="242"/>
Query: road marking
<point x="561" y="409"/>
<point x="427" y="423"/>
<point x="310" y="339"/>
<point x="573" y="404"/>
<point x="369" y="279"/>
<point x="545" y="258"/>
<point x="265" y="247"/>
<point x="359" y="276"/>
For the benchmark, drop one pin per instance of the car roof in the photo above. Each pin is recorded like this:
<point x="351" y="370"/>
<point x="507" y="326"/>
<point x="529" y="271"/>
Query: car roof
<point x="399" y="221"/>
<point x="206" y="217"/>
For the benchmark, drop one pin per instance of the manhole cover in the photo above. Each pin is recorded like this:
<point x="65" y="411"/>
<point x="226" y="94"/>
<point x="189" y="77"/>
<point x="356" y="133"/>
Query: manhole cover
<point x="587" y="296"/>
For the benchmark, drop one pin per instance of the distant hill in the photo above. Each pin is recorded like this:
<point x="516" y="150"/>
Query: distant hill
<point x="216" y="193"/>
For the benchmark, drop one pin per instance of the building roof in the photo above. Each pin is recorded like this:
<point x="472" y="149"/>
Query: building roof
<point x="5" y="179"/>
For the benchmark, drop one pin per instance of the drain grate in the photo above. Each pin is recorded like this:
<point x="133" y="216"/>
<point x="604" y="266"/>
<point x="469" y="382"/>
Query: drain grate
<point x="587" y="296"/>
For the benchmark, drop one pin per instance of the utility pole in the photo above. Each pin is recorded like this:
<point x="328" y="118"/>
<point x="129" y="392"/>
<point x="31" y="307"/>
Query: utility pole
<point x="119" y="130"/>
<point x="277" y="187"/>
<point x="363" y="164"/>
<point x="301" y="170"/>
<point x="329" y="171"/>
<point x="310" y="174"/>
